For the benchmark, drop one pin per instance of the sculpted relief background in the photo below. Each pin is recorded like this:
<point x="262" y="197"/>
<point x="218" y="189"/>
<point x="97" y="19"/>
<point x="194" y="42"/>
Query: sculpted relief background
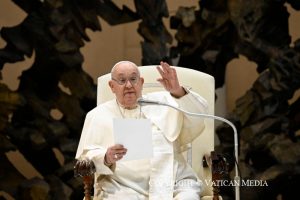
<point x="42" y="117"/>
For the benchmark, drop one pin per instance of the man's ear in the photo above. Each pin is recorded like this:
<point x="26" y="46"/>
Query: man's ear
<point x="111" y="85"/>
<point x="142" y="80"/>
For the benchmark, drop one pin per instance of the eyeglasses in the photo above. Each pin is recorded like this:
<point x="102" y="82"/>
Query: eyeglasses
<point x="133" y="80"/>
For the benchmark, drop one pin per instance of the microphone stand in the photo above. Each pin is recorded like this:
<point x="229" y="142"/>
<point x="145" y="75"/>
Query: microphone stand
<point x="236" y="178"/>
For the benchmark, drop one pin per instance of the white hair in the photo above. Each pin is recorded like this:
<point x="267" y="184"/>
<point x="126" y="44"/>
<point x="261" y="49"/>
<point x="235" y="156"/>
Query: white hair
<point x="123" y="61"/>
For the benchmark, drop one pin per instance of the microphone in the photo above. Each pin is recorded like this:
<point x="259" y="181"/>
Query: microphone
<point x="143" y="102"/>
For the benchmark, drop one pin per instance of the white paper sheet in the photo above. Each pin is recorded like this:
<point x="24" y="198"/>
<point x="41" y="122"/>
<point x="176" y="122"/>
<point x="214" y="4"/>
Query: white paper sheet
<point x="136" y="136"/>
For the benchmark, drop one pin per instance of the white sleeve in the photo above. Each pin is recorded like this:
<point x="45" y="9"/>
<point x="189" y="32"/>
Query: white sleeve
<point x="192" y="126"/>
<point x="87" y="149"/>
<point x="97" y="156"/>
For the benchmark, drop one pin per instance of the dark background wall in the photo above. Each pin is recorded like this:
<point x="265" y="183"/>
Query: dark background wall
<point x="122" y="42"/>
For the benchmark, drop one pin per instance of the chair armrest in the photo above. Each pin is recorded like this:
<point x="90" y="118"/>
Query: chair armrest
<point x="85" y="168"/>
<point x="219" y="167"/>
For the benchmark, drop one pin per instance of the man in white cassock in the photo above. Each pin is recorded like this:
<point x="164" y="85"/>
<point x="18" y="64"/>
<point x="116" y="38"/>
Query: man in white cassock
<point x="166" y="175"/>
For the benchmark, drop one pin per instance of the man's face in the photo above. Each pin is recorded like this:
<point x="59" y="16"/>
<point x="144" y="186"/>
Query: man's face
<point x="127" y="84"/>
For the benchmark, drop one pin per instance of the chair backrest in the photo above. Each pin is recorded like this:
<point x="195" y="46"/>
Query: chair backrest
<point x="199" y="82"/>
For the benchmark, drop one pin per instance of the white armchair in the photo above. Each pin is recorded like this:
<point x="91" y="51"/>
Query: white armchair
<point x="199" y="82"/>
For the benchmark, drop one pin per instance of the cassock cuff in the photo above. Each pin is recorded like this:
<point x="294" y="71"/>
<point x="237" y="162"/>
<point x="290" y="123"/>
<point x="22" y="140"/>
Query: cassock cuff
<point x="192" y="100"/>
<point x="97" y="156"/>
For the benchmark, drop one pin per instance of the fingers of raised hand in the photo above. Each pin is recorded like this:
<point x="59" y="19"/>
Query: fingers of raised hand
<point x="165" y="66"/>
<point x="165" y="83"/>
<point x="168" y="77"/>
<point x="166" y="71"/>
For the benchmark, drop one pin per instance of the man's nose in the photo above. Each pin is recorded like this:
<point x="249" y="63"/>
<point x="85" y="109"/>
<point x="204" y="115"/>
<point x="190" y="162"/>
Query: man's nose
<point x="128" y="84"/>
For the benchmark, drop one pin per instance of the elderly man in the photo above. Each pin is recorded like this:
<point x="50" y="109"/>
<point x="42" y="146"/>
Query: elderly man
<point x="166" y="175"/>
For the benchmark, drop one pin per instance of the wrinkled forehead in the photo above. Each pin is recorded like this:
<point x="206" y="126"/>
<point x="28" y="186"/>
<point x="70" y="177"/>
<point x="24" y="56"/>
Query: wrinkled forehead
<point x="125" y="68"/>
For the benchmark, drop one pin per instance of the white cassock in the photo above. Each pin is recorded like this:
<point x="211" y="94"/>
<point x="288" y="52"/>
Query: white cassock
<point x="167" y="175"/>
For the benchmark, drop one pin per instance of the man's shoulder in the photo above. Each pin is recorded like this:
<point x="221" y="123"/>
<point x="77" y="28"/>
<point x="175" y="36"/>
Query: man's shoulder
<point x="106" y="106"/>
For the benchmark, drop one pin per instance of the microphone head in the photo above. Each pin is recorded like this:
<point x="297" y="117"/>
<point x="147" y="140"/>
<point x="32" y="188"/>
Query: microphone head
<point x="144" y="102"/>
